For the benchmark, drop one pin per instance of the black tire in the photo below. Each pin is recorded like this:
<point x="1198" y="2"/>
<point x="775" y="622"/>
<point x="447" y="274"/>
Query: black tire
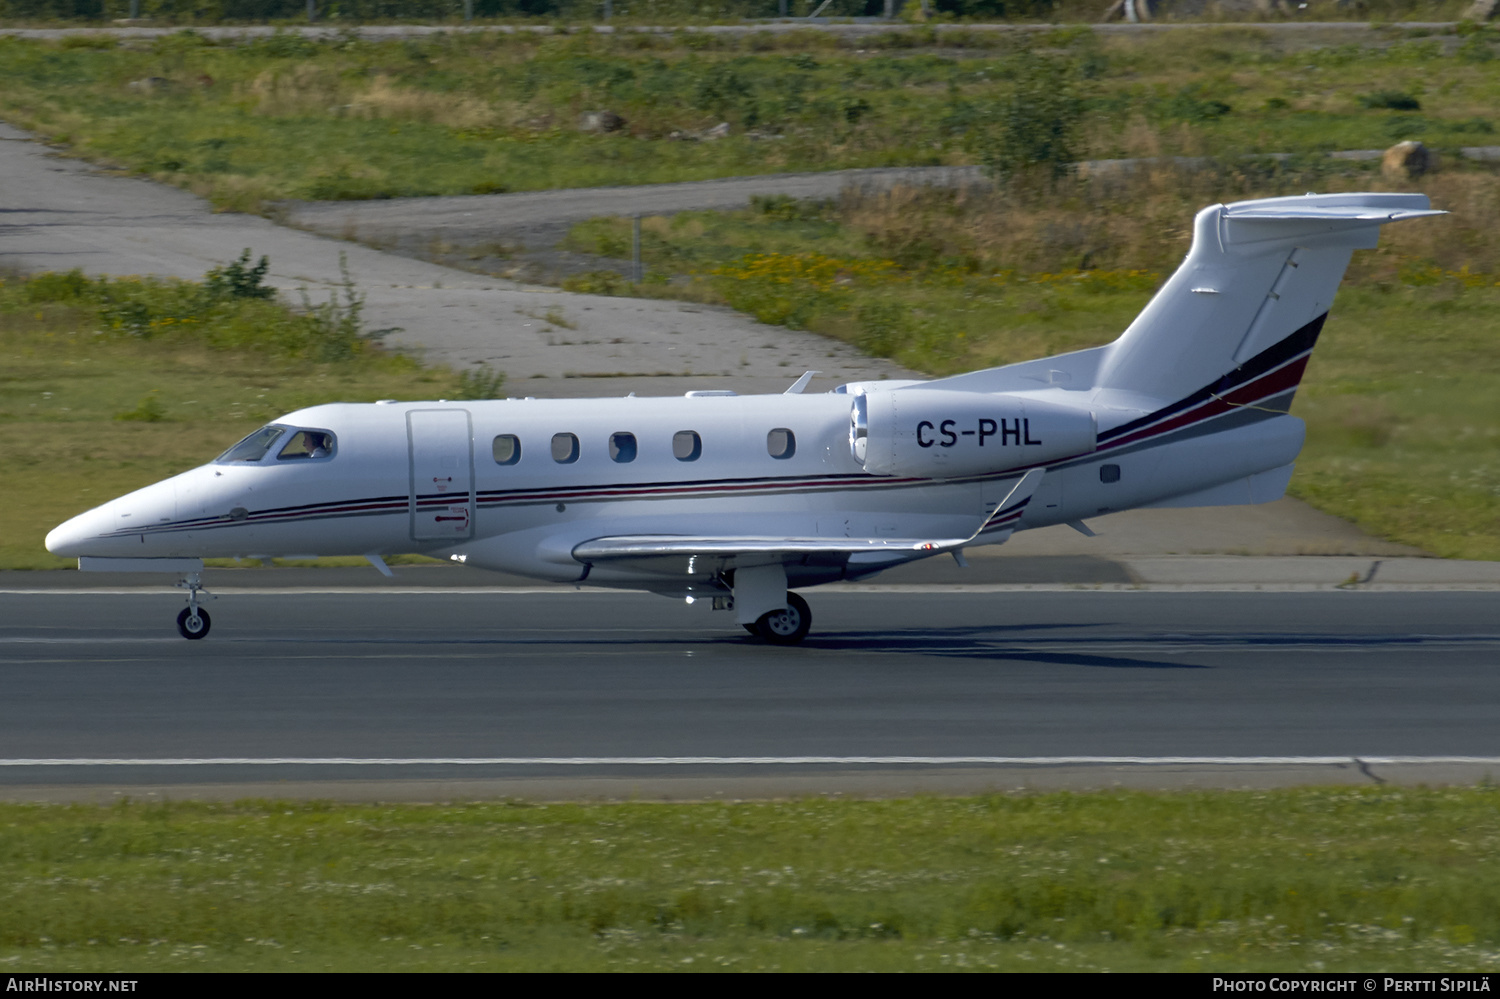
<point x="786" y="627"/>
<point x="192" y="627"/>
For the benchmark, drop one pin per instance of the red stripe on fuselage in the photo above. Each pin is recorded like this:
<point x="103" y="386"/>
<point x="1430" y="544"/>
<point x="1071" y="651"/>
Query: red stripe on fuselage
<point x="1271" y="383"/>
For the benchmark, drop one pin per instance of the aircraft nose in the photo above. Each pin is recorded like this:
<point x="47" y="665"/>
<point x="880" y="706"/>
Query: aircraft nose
<point x="70" y="539"/>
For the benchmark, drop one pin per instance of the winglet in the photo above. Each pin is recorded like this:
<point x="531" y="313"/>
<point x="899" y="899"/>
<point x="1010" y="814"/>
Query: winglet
<point x="801" y="383"/>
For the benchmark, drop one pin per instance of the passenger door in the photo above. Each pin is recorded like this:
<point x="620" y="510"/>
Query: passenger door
<point x="442" y="474"/>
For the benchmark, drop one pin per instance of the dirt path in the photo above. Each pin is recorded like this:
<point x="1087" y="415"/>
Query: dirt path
<point x="58" y="213"/>
<point x="476" y="217"/>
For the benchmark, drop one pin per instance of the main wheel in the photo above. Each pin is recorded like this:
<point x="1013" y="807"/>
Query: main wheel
<point x="190" y="625"/>
<point x="786" y="627"/>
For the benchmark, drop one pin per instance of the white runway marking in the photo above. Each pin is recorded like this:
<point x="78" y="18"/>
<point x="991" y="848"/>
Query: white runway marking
<point x="656" y="761"/>
<point x="165" y="590"/>
<point x="888" y="588"/>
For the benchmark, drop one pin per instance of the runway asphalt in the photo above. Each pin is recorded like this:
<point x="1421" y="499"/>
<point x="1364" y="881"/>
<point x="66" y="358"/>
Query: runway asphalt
<point x="426" y="694"/>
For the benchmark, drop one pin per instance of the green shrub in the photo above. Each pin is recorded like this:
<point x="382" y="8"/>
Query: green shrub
<point x="71" y="286"/>
<point x="1394" y="100"/>
<point x="239" y="279"/>
<point x="785" y="208"/>
<point x="1475" y="48"/>
<point x="148" y="410"/>
<point x="133" y="317"/>
<point x="596" y="283"/>
<point x="1189" y="104"/>
<point x="229" y="309"/>
<point x="336" y="328"/>
<point x="89" y="42"/>
<point x="1406" y="126"/>
<point x="481" y="382"/>
<point x="883" y="328"/>
<point x="1034" y="130"/>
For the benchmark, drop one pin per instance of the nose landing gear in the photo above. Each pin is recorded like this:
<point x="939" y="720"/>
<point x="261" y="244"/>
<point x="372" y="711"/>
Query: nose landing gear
<point x="193" y="622"/>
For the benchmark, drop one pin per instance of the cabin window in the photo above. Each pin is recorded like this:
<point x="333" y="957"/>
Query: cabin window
<point x="687" y="445"/>
<point x="254" y="447"/>
<point x="1109" y="473"/>
<point x="781" y="443"/>
<point x="622" y="447"/>
<point x="507" y="449"/>
<point x="307" y="444"/>
<point x="564" y="449"/>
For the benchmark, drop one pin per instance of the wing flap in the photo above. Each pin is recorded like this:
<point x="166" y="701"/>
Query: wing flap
<point x="997" y="525"/>
<point x="649" y="546"/>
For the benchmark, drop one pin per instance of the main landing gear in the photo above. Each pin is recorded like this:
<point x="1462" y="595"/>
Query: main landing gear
<point x="193" y="622"/>
<point x="784" y="627"/>
<point x="763" y="605"/>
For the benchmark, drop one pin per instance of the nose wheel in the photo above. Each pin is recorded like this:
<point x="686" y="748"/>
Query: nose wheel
<point x="193" y="621"/>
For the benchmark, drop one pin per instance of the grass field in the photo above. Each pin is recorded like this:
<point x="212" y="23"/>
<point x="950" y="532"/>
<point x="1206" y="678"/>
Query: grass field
<point x="286" y="117"/>
<point x="108" y="386"/>
<point x="624" y="14"/>
<point x="1349" y="879"/>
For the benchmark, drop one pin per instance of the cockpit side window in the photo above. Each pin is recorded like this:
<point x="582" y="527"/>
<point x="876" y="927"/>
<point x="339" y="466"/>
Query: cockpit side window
<point x="307" y="444"/>
<point x="254" y="447"/>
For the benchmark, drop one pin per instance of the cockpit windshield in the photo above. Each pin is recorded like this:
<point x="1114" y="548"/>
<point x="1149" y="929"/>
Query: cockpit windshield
<point x="254" y="447"/>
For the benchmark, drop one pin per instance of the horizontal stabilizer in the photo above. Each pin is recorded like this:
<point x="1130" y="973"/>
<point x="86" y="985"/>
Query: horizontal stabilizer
<point x="1273" y="209"/>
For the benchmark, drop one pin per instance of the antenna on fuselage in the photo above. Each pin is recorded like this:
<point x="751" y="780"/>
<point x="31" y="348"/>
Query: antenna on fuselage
<point x="801" y="383"/>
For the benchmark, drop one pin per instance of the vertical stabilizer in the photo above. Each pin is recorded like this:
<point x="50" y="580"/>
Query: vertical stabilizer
<point x="1258" y="273"/>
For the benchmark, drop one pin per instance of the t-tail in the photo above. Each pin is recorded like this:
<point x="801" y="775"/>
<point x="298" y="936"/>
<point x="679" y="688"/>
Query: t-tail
<point x="1250" y="298"/>
<point x="1189" y="406"/>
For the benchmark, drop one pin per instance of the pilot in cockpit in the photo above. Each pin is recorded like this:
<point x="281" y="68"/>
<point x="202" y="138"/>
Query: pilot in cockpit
<point x="307" y="444"/>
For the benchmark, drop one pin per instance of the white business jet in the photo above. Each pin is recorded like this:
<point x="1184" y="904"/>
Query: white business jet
<point x="734" y="499"/>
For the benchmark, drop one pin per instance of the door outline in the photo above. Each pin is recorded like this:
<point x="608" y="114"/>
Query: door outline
<point x="468" y="503"/>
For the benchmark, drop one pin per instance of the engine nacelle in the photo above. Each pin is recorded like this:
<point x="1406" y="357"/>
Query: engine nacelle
<point x="946" y="434"/>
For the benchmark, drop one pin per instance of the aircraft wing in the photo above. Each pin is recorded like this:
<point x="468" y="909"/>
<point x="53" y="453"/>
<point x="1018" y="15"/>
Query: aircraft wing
<point x="651" y="545"/>
<point x="997" y="526"/>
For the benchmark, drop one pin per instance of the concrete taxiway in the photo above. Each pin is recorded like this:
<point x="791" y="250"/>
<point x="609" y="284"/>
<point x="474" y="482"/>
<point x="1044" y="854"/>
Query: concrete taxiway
<point x="69" y="214"/>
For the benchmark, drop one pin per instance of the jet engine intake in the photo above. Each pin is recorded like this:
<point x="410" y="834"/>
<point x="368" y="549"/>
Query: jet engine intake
<point x="944" y="434"/>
